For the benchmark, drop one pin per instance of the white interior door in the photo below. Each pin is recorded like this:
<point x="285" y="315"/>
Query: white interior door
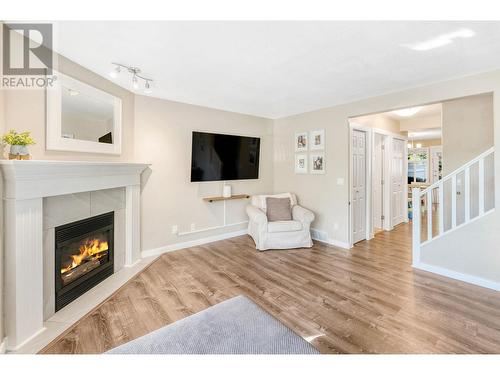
<point x="398" y="181"/>
<point x="358" y="185"/>
<point x="377" y="181"/>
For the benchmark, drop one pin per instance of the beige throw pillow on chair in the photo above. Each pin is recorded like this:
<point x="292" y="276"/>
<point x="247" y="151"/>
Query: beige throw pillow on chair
<point x="278" y="209"/>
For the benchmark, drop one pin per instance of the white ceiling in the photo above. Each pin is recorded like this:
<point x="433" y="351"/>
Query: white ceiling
<point x="274" y="69"/>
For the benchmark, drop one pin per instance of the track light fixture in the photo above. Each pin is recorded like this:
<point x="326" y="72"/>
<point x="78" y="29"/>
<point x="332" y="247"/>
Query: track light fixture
<point x="136" y="76"/>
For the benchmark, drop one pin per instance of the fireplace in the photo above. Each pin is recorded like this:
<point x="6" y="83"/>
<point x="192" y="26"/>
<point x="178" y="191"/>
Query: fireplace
<point x="84" y="256"/>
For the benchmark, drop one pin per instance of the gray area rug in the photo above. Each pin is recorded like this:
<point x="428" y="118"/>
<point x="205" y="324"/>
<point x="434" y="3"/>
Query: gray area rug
<point x="235" y="326"/>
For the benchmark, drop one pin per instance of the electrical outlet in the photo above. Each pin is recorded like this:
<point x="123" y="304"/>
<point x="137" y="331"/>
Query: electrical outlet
<point x="193" y="227"/>
<point x="336" y="226"/>
<point x="175" y="229"/>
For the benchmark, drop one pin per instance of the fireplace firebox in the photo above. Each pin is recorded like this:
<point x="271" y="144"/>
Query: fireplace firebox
<point x="84" y="256"/>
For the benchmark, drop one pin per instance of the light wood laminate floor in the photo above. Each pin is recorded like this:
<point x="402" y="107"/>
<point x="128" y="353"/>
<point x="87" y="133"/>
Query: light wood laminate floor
<point x="366" y="300"/>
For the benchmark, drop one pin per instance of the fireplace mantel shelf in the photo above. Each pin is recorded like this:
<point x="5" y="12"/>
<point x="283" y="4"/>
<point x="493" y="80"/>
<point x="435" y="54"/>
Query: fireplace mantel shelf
<point x="25" y="184"/>
<point x="26" y="179"/>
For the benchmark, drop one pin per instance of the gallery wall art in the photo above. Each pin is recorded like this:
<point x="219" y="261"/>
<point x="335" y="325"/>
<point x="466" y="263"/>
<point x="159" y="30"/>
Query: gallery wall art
<point x="313" y="163"/>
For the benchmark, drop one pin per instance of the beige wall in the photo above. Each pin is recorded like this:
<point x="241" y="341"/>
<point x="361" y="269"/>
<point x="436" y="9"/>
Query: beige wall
<point x="163" y="138"/>
<point x="420" y="122"/>
<point x="467" y="132"/>
<point x="467" y="129"/>
<point x="379" y="121"/>
<point x="429" y="142"/>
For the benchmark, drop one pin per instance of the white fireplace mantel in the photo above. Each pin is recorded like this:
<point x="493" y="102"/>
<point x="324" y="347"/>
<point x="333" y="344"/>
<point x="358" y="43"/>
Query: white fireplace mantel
<point x="25" y="184"/>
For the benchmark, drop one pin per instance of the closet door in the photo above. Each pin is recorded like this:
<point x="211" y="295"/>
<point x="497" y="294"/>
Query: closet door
<point x="377" y="178"/>
<point x="358" y="185"/>
<point x="398" y="179"/>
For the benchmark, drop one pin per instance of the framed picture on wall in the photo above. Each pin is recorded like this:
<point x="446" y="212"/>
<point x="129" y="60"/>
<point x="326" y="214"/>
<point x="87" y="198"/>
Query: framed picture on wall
<point x="317" y="139"/>
<point x="317" y="163"/>
<point x="300" y="163"/>
<point x="301" y="142"/>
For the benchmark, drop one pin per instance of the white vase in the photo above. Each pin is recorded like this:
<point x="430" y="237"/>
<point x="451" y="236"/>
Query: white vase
<point x="226" y="191"/>
<point x="19" y="150"/>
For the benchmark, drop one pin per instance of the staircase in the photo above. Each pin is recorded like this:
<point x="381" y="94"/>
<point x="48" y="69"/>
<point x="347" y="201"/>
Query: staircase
<point x="463" y="196"/>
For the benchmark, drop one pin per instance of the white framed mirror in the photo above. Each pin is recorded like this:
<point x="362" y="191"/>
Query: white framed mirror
<point x="82" y="118"/>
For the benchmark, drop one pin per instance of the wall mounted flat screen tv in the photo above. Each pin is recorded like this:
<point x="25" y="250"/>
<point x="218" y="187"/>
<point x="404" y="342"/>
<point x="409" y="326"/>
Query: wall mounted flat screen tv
<point x="223" y="157"/>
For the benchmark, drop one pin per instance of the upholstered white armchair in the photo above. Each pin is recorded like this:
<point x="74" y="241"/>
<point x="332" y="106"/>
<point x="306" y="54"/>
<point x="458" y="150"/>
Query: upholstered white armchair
<point x="288" y="234"/>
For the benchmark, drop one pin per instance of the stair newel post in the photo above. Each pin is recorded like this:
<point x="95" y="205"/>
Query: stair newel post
<point x="441" y="208"/>
<point x="429" y="214"/>
<point x="416" y="225"/>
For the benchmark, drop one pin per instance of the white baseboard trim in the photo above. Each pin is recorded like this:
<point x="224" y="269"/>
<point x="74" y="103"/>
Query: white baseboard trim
<point x="475" y="280"/>
<point x="322" y="236"/>
<point x="3" y="346"/>
<point x="341" y="244"/>
<point x="15" y="348"/>
<point x="186" y="244"/>
<point x="133" y="264"/>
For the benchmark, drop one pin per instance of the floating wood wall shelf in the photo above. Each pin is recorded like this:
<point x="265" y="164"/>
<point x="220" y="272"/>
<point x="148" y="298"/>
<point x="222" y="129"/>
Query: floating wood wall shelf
<point x="232" y="197"/>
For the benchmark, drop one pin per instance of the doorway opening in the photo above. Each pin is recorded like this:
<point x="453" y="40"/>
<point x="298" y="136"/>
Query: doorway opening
<point x="391" y="153"/>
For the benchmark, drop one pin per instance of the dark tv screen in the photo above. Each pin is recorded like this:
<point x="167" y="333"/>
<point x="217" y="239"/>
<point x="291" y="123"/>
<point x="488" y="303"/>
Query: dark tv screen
<point x="223" y="157"/>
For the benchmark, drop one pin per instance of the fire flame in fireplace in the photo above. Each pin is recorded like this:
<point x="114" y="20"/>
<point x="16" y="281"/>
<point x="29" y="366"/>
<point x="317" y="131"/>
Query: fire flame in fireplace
<point x="91" y="249"/>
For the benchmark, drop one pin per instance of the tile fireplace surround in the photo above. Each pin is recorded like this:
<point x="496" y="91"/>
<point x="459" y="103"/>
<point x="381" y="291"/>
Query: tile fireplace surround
<point x="25" y="185"/>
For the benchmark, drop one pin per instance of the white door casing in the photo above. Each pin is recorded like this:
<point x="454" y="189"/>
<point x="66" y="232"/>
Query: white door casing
<point x="358" y="143"/>
<point x="377" y="181"/>
<point x="398" y="181"/>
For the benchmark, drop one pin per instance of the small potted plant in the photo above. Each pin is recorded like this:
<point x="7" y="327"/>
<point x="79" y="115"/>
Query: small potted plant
<point x="19" y="143"/>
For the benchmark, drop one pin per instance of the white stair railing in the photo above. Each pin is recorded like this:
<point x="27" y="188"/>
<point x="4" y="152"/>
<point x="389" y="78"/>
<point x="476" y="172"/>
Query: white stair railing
<point x="422" y="201"/>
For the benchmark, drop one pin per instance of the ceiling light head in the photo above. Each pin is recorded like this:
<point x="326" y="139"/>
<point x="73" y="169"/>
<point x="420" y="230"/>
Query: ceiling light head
<point x="136" y="76"/>
<point x="407" y="112"/>
<point x="134" y="70"/>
